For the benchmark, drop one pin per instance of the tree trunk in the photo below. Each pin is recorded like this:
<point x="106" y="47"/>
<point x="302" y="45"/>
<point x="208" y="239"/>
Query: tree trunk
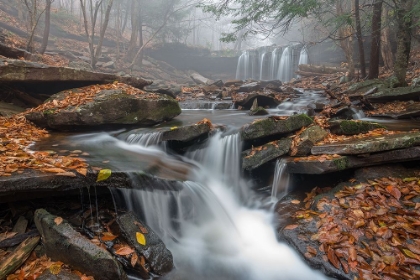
<point x="141" y="40"/>
<point x="376" y="40"/>
<point x="134" y="30"/>
<point x="346" y="42"/>
<point x="102" y="34"/>
<point x="404" y="24"/>
<point x="359" y="37"/>
<point x="386" y="50"/>
<point x="47" y="26"/>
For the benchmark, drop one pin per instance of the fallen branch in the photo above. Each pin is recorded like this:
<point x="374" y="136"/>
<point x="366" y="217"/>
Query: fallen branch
<point x="12" y="262"/>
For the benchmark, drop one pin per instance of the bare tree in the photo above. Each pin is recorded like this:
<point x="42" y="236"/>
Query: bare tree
<point x="46" y="26"/>
<point x="95" y="52"/>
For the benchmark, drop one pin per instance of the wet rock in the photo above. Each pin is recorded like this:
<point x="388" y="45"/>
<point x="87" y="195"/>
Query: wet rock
<point x="370" y="144"/>
<point x="63" y="243"/>
<point x="273" y="126"/>
<point x="359" y="89"/>
<point x="317" y="166"/>
<point x="344" y="112"/>
<point x="415" y="82"/>
<point x="210" y="89"/>
<point x="109" y="64"/>
<point x="406" y="93"/>
<point x="169" y="92"/>
<point x="222" y="105"/>
<point x="412" y="111"/>
<point x="257" y="156"/>
<point x="266" y="101"/>
<point x="108" y="107"/>
<point x="259" y="111"/>
<point x="218" y="83"/>
<point x="157" y="255"/>
<point x="186" y="133"/>
<point x="307" y="139"/>
<point x="62" y="275"/>
<point x="391" y="170"/>
<point x="229" y="83"/>
<point x="250" y="87"/>
<point x="352" y="127"/>
<point x="273" y="84"/>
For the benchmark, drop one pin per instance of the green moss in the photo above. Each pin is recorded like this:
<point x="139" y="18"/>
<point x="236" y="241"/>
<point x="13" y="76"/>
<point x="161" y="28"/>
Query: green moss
<point x="349" y="127"/>
<point x="341" y="163"/>
<point x="49" y="112"/>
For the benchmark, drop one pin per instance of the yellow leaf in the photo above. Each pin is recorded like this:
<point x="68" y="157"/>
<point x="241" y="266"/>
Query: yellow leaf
<point x="141" y="239"/>
<point x="174" y="127"/>
<point x="103" y="175"/>
<point x="55" y="268"/>
<point x="58" y="220"/>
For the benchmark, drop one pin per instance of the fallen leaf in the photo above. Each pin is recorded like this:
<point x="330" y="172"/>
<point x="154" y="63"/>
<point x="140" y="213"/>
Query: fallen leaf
<point x="141" y="239"/>
<point x="107" y="236"/>
<point x="134" y="259"/>
<point x="290" y="227"/>
<point x="58" y="221"/>
<point x="295" y="201"/>
<point x="394" y="192"/>
<point x="103" y="175"/>
<point x="55" y="268"/>
<point x="124" y="251"/>
<point x="54" y="170"/>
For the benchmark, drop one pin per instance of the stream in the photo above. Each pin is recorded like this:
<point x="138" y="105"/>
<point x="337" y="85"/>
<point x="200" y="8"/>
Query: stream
<point x="216" y="226"/>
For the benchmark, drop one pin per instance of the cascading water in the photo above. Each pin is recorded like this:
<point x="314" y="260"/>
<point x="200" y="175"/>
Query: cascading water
<point x="145" y="139"/>
<point x="273" y="64"/>
<point x="281" y="180"/>
<point x="205" y="224"/>
<point x="243" y="66"/>
<point x="303" y="56"/>
<point x="262" y="59"/>
<point x="285" y="70"/>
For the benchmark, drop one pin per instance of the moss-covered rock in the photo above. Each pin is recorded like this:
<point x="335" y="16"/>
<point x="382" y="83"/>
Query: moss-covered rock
<point x="307" y="139"/>
<point x="257" y="156"/>
<point x="274" y="125"/>
<point x="352" y="127"/>
<point x="385" y="95"/>
<point x="188" y="132"/>
<point x="107" y="107"/>
<point x="370" y="144"/>
<point x="259" y="111"/>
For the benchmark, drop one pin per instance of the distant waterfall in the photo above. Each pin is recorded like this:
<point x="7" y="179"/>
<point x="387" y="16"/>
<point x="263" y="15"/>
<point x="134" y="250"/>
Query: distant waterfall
<point x="303" y="57"/>
<point x="262" y="64"/>
<point x="271" y="63"/>
<point x="243" y="66"/>
<point x="285" y="71"/>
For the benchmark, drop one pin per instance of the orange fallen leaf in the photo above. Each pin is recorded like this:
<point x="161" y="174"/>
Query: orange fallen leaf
<point x="58" y="220"/>
<point x="290" y="227"/>
<point x="124" y="250"/>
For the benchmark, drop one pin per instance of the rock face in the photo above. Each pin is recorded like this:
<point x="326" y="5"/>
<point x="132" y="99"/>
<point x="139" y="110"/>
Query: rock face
<point x="63" y="243"/>
<point x="155" y="252"/>
<point x="406" y="93"/>
<point x="255" y="157"/>
<point x="108" y="107"/>
<point x="272" y="126"/>
<point x="370" y="144"/>
<point x="351" y="127"/>
<point x="317" y="166"/>
<point x="263" y="100"/>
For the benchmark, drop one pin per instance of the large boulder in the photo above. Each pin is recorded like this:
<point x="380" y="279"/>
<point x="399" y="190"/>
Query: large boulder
<point x="261" y="128"/>
<point x="119" y="105"/>
<point x="257" y="156"/>
<point x="246" y="100"/>
<point x="63" y="243"/>
<point x="157" y="255"/>
<point x="188" y="133"/>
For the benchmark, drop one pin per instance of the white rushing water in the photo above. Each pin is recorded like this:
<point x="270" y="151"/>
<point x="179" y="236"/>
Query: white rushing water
<point x="303" y="57"/>
<point x="212" y="226"/>
<point x="285" y="71"/>
<point x="281" y="180"/>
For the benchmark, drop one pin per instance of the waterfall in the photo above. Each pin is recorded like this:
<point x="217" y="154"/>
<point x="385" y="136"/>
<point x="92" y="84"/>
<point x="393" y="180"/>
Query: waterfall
<point x="262" y="57"/>
<point x="145" y="139"/>
<point x="273" y="64"/>
<point x="208" y="224"/>
<point x="243" y="65"/>
<point x="285" y="70"/>
<point x="303" y="57"/>
<point x="281" y="180"/>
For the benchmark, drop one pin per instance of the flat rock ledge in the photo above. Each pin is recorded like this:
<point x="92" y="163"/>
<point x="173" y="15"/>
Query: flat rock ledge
<point x="370" y="144"/>
<point x="33" y="181"/>
<point x="261" y="128"/>
<point x="315" y="166"/>
<point x="20" y="71"/>
<point x="253" y="158"/>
